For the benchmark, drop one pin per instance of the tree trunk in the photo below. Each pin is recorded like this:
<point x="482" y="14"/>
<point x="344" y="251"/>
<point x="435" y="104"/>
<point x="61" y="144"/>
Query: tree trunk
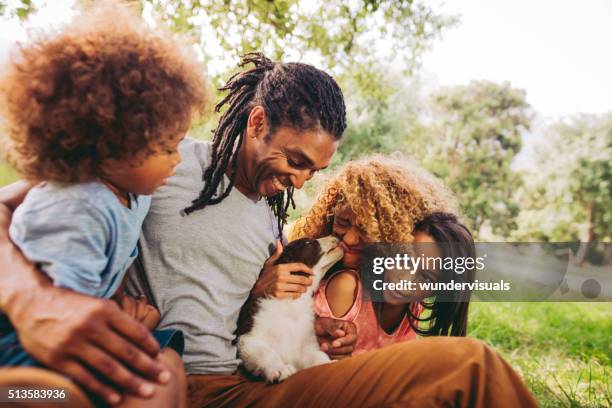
<point x="607" y="258"/>
<point x="583" y="251"/>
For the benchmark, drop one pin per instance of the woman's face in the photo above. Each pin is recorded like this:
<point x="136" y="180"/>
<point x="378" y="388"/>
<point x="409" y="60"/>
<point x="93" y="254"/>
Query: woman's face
<point x="423" y="245"/>
<point x="351" y="237"/>
<point x="353" y="241"/>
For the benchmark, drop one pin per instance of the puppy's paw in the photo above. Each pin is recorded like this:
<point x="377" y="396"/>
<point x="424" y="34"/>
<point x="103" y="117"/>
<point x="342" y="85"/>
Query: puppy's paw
<point x="317" y="357"/>
<point x="278" y="373"/>
<point x="287" y="371"/>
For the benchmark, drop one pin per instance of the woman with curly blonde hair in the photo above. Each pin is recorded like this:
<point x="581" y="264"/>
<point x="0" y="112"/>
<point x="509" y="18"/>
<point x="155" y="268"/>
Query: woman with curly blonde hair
<point x="388" y="195"/>
<point x="387" y="200"/>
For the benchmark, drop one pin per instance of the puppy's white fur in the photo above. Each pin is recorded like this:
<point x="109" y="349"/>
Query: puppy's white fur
<point x="282" y="339"/>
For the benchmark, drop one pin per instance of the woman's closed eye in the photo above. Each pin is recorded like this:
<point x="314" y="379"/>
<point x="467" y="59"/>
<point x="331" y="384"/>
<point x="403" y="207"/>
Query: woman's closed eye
<point x="341" y="222"/>
<point x="429" y="276"/>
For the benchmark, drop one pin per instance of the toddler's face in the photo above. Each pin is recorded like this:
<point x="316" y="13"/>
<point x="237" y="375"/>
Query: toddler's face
<point x="146" y="176"/>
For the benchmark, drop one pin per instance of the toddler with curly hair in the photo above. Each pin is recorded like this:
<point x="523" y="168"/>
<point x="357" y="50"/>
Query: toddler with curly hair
<point x="93" y="115"/>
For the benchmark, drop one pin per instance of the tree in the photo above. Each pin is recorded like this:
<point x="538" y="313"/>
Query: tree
<point x="382" y="120"/>
<point x="355" y="40"/>
<point x="21" y="8"/>
<point x="339" y="33"/>
<point x="570" y="190"/>
<point x="475" y="133"/>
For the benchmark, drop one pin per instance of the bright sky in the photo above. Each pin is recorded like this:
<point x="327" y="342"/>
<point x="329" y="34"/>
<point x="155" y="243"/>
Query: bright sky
<point x="558" y="51"/>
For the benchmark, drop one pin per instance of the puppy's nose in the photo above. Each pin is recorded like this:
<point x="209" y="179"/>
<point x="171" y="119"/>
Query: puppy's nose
<point x="328" y="243"/>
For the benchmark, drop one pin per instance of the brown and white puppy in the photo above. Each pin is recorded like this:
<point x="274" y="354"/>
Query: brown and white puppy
<point x="281" y="339"/>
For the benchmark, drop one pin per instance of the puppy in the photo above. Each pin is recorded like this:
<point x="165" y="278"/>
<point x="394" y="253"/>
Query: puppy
<point x="281" y="339"/>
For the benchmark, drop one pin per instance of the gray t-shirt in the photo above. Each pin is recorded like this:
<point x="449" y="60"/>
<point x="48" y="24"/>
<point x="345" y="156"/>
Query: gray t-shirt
<point x="201" y="267"/>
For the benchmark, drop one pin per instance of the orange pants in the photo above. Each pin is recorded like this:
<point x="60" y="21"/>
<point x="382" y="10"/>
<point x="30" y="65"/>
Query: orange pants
<point x="432" y="372"/>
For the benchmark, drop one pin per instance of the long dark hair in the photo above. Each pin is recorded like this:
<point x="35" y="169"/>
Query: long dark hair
<point x="292" y="94"/>
<point x="448" y="313"/>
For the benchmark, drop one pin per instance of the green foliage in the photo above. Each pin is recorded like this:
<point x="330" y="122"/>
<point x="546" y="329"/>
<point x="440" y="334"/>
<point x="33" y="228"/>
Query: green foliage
<point x="475" y="133"/>
<point x="21" y="9"/>
<point x="341" y="34"/>
<point x="569" y="192"/>
<point x="381" y="121"/>
<point x="7" y="174"/>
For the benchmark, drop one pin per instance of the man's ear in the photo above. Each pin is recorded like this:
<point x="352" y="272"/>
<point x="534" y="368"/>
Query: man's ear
<point x="257" y="123"/>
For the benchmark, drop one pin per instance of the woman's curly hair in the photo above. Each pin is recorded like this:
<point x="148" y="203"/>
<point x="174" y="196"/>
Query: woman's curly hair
<point x="107" y="86"/>
<point x="388" y="194"/>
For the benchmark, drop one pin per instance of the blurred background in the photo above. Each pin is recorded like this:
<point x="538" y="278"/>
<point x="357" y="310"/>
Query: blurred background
<point x="507" y="102"/>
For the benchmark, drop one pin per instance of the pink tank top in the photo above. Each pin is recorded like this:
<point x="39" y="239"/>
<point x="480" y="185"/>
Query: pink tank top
<point x="370" y="336"/>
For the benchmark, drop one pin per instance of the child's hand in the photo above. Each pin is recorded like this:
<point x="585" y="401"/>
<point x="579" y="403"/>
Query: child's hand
<point x="336" y="337"/>
<point x="140" y="310"/>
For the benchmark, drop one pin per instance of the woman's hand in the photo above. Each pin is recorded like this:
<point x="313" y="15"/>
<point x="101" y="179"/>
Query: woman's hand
<point x="278" y="280"/>
<point x="336" y="337"/>
<point x="139" y="309"/>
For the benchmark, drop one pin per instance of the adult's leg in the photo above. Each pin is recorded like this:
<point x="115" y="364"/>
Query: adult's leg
<point x="39" y="378"/>
<point x="431" y="372"/>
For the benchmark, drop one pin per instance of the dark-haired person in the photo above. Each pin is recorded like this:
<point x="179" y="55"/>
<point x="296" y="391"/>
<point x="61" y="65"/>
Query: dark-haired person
<point x="385" y="199"/>
<point x="202" y="260"/>
<point x="396" y="316"/>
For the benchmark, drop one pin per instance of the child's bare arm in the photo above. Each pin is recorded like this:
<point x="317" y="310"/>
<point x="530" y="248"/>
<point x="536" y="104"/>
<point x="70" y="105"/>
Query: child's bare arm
<point x="139" y="309"/>
<point x="341" y="293"/>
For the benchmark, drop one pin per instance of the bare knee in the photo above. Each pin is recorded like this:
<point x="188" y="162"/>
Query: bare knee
<point x="171" y="394"/>
<point x="178" y="380"/>
<point x="174" y="362"/>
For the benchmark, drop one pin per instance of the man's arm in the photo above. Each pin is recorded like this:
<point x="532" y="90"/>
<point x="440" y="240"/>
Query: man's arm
<point x="13" y="194"/>
<point x="11" y="197"/>
<point x="336" y="337"/>
<point x="69" y="332"/>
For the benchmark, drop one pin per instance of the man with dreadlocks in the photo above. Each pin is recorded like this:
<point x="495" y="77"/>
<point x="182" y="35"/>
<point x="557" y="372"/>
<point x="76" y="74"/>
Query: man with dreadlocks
<point x="281" y="123"/>
<point x="201" y="260"/>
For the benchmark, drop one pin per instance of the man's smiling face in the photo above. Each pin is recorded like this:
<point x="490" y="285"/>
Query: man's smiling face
<point x="286" y="157"/>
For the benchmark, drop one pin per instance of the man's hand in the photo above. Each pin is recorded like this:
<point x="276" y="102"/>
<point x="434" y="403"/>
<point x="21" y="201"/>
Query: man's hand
<point x="81" y="336"/>
<point x="336" y="337"/>
<point x="77" y="335"/>
<point x="139" y="309"/>
<point x="278" y="281"/>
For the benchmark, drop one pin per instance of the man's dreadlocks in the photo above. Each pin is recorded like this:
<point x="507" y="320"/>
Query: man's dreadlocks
<point x="292" y="94"/>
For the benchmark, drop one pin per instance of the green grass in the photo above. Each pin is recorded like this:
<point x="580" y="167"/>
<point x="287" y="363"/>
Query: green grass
<point x="7" y="174"/>
<point x="563" y="351"/>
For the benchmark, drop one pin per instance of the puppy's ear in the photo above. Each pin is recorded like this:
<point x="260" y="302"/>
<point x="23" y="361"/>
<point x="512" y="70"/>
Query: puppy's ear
<point x="304" y="250"/>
